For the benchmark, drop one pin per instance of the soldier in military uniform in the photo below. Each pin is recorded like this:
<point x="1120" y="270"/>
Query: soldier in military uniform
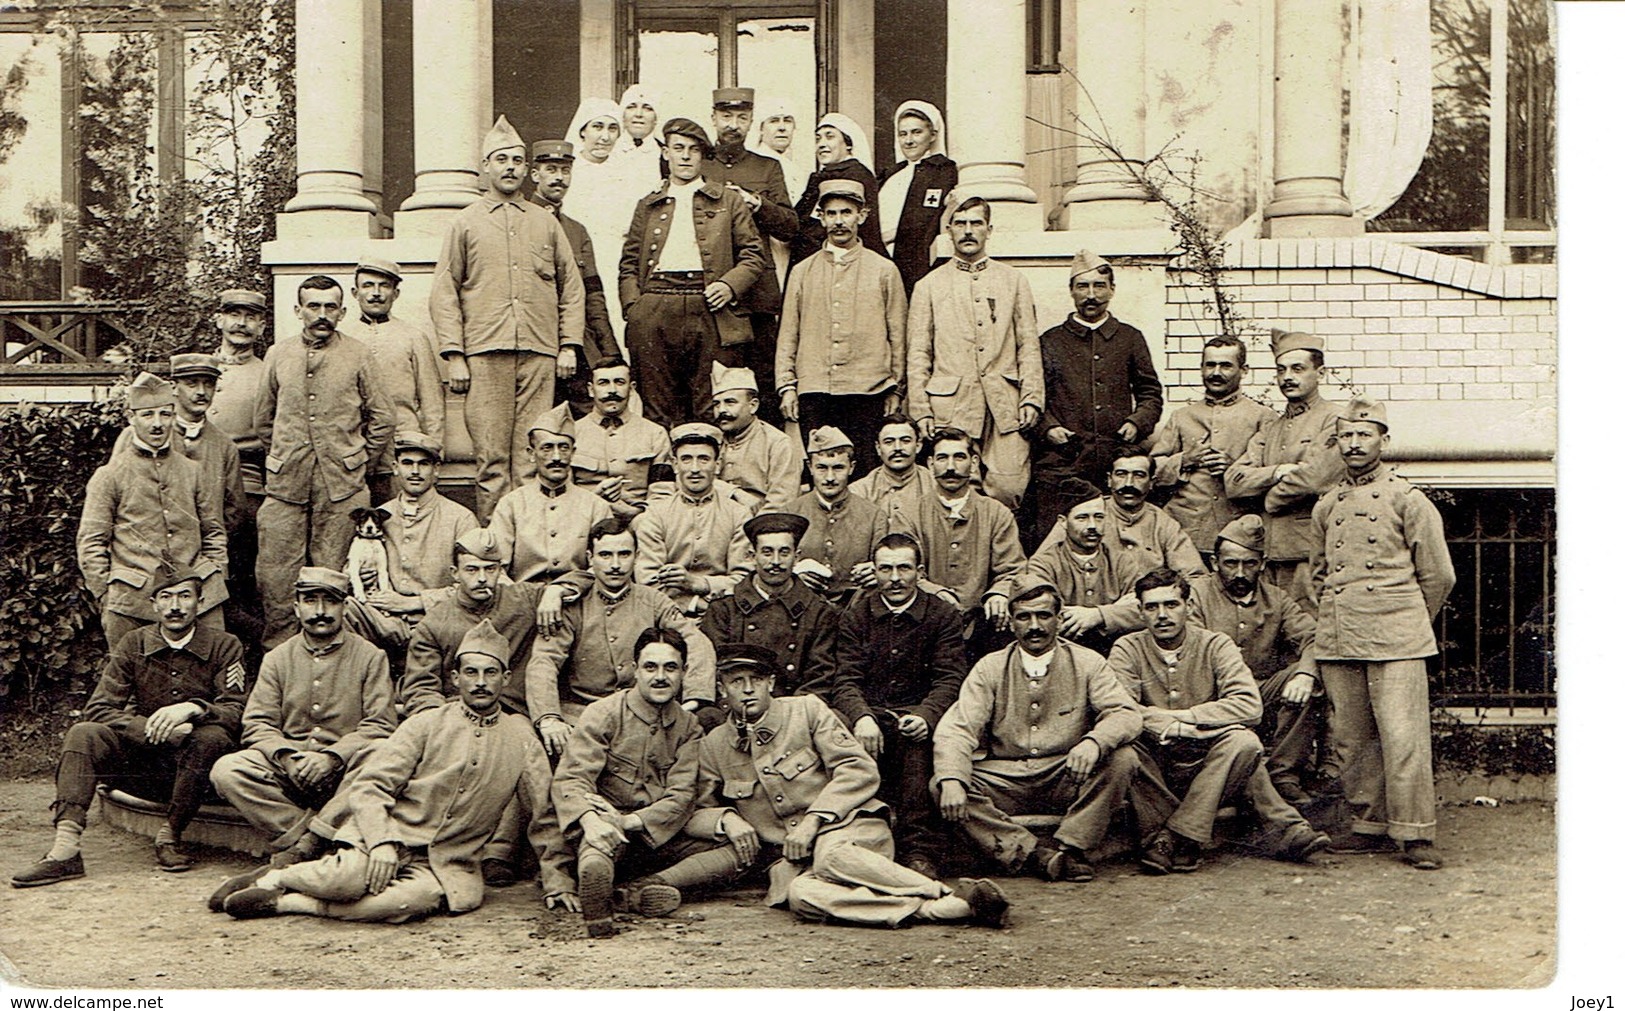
<point x="1382" y="570"/>
<point x="407" y="366"/>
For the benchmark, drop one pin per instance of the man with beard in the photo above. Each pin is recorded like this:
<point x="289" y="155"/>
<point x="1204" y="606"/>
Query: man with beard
<point x="409" y="828"/>
<point x="1048" y="722"/>
<point x="1290" y="462"/>
<point x="1379" y="595"/>
<point x="835" y="559"/>
<point x="542" y="527"/>
<point x="552" y="165"/>
<point x="692" y="546"/>
<point x="322" y="415"/>
<point x="759" y="181"/>
<point x="149" y="505"/>
<point x="900" y="482"/>
<point x="841" y="343"/>
<point x="167" y="706"/>
<point x="1275" y="636"/>
<point x="404" y="360"/>
<point x="1196" y="751"/>
<point x="615" y="449"/>
<point x="1101" y="387"/>
<point x="760" y="461"/>
<point x="625" y="787"/>
<point x="973" y="355"/>
<point x="1201" y="441"/>
<point x="509" y="310"/>
<point x="322" y="702"/>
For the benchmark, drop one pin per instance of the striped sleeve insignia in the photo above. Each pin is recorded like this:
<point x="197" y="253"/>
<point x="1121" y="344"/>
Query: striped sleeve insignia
<point x="236" y="677"/>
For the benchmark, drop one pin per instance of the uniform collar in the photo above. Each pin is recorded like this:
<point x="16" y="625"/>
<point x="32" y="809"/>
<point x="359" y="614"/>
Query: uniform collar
<point x="1105" y="331"/>
<point x="552" y="492"/>
<point x="1230" y="401"/>
<point x="762" y="732"/>
<point x="226" y="356"/>
<point x="795" y="597"/>
<point x="974" y="268"/>
<point x="475" y="718"/>
<point x="644" y="710"/>
<point x="914" y="609"/>
<point x="155" y="643"/>
<point x="145" y="450"/>
<point x="835" y="505"/>
<point x="1376" y="473"/>
<point x="1297" y="407"/>
<point x="333" y="645"/>
<point x="705" y="186"/>
<point x="492" y="203"/>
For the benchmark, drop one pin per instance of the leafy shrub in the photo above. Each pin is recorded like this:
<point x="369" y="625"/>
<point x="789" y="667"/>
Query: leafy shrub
<point x="50" y="635"/>
<point x="1459" y="746"/>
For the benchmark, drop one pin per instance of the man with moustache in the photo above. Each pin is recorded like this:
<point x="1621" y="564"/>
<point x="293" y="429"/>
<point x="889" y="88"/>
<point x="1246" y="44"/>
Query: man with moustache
<point x="692" y="546"/>
<point x="1101" y="386"/>
<point x="1379" y="595"/>
<point x="322" y="702"/>
<point x="773" y="609"/>
<point x="1196" y="751"/>
<point x="843" y="528"/>
<point x="1096" y="586"/>
<point x="509" y="312"/>
<point x="409" y="828"/>
<point x="841" y="341"/>
<point x="542" y="527"/>
<point x="760" y="461"/>
<point x="973" y="353"/>
<point x="625" y="787"/>
<point x="1290" y="462"/>
<point x="241" y="323"/>
<point x="167" y="706"/>
<point x="1201" y="441"/>
<point x="900" y="482"/>
<point x="615" y="449"/>
<point x="759" y="181"/>
<point x="1039" y="727"/>
<point x="195" y="377"/>
<point x="322" y="415"/>
<point x="404" y="359"/>
<point x="149" y="505"/>
<point x="899" y="662"/>
<point x="552" y="165"/>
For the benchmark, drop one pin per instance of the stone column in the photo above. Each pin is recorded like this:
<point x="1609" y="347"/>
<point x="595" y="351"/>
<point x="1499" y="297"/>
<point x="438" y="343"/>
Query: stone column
<point x="451" y="110"/>
<point x="372" y="141"/>
<point x="987" y="106"/>
<point x="1111" y="104"/>
<point x="330" y="89"/>
<point x="1308" y="199"/>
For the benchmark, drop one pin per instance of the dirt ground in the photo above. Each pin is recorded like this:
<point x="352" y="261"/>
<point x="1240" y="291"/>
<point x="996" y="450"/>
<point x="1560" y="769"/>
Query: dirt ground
<point x="1489" y="919"/>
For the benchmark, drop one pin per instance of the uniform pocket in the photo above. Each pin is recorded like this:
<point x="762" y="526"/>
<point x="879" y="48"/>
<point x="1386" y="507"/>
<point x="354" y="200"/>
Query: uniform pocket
<point x="796" y="762"/>
<point x="738" y="789"/>
<point x="274" y="464"/>
<point x="942" y="386"/>
<point x="541" y="261"/>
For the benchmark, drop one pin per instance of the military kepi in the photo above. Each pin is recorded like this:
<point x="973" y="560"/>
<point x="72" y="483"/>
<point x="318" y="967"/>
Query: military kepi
<point x="776" y="523"/>
<point x="552" y="150"/>
<point x="379" y="265"/>
<point x="851" y="189"/>
<point x="147" y="390"/>
<point x="746" y="654"/>
<point x="1364" y="408"/>
<point x="193" y="366"/>
<point x="322" y="580"/>
<point x="405" y="440"/>
<point x="242" y="298"/>
<point x="733" y="98"/>
<point x="484" y="638"/>
<point x="501" y="136"/>
<point x="695" y="431"/>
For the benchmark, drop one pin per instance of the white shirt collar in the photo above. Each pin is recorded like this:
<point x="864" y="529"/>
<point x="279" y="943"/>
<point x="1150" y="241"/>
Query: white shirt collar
<point x="1036" y="666"/>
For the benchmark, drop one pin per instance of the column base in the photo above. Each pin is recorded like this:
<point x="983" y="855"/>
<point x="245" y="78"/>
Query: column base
<point x="423" y="222"/>
<point x="328" y="224"/>
<point x="1112" y="215"/>
<point x="1313" y="226"/>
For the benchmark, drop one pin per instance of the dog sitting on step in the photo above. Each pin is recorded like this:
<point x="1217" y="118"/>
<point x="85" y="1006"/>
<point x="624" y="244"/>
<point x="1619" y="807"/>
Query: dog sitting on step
<point x="367" y="552"/>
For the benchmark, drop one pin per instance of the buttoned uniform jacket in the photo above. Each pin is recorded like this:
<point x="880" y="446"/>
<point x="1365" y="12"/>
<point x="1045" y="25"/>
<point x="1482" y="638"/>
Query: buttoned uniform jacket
<point x="796" y="625"/>
<point x="973" y="347"/>
<point x="1197" y="499"/>
<point x="706" y="536"/>
<point x="731" y="251"/>
<point x="440" y="784"/>
<point x="542" y="533"/>
<point x="1094" y="383"/>
<point x="843" y="331"/>
<point x="1208" y="685"/>
<point x="811" y="230"/>
<point x="321" y="415"/>
<point x="763" y="463"/>
<point x="431" y="652"/>
<point x="144" y="674"/>
<point x="1018" y="727"/>
<point x="335" y="702"/>
<point x="635" y="757"/>
<point x="776" y="217"/>
<point x="627" y="448"/>
<point x="1274" y="634"/>
<point x="911" y="662"/>
<point x="899" y="500"/>
<point x="1139" y="542"/>
<point x="141" y="508"/>
<point x="408" y="371"/>
<point x="232" y="411"/>
<point x="921" y="221"/>
<point x="591" y="656"/>
<point x="418" y="546"/>
<point x="506" y="281"/>
<point x="1305" y="435"/>
<point x="840" y="535"/>
<point x="974" y="557"/>
<point x="1381" y="568"/>
<point x="219" y="467"/>
<point x="1104" y="580"/>
<point x="598" y="333"/>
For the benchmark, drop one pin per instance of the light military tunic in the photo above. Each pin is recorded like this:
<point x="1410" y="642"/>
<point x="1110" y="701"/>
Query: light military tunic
<point x="619" y="447"/>
<point x="543" y="533"/>
<point x="232" y="411"/>
<point x="899" y="499"/>
<point x="408" y="370"/>
<point x="974" y="555"/>
<point x="1303" y="435"/>
<point x="839" y="534"/>
<point x="420" y="536"/>
<point x="706" y="536"/>
<point x="1207" y="685"/>
<point x="1199" y="502"/>
<point x="765" y="464"/>
<point x="336" y="699"/>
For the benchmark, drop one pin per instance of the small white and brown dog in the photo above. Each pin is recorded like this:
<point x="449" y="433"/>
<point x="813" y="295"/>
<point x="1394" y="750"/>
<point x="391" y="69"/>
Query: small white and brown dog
<point x="367" y="552"/>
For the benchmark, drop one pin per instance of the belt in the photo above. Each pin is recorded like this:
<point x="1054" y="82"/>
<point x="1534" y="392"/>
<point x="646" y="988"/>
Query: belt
<point x="675" y="282"/>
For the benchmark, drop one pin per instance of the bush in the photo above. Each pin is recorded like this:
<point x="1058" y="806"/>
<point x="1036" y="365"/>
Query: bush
<point x="1459" y="746"/>
<point x="50" y="634"/>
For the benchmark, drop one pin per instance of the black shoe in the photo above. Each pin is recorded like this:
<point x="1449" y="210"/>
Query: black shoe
<point x="49" y="872"/>
<point x="233" y="885"/>
<point x="1158" y="855"/>
<point x="1419" y="853"/>
<point x="988" y="906"/>
<point x="648" y="898"/>
<point x="1300" y="842"/>
<point x="1359" y="842"/>
<point x="498" y="873"/>
<point x="595" y="886"/>
<point x="308" y="847"/>
<point x="253" y="903"/>
<point x="1292" y="793"/>
<point x="170" y="858"/>
<point x="921" y="864"/>
<point x="1187" y="855"/>
<point x="1062" y="864"/>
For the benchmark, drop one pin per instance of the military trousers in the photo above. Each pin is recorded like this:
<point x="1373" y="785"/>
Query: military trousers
<point x="1182" y="784"/>
<point x="268" y="798"/>
<point x="294" y="535"/>
<point x="1294" y="730"/>
<point x="176" y="774"/>
<point x="673" y="340"/>
<point x="507" y="391"/>
<point x="1381" y="742"/>
<point x="1085" y="805"/>
<point x="339" y="880"/>
<point x="1005" y="459"/>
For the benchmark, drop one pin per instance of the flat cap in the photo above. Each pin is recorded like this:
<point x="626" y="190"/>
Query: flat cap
<point x="379" y="265"/>
<point x="1075" y="491"/>
<point x="1084" y="262"/>
<point x="851" y="189"/>
<point x="776" y="523"/>
<point x="484" y="638"/>
<point x="322" y="580"/>
<point x="189" y="365"/>
<point x="405" y="440"/>
<point x="481" y="542"/>
<point x="552" y="150"/>
<point x="147" y="390"/>
<point x="500" y="137"/>
<point x="724" y="378"/>
<point x="1030" y="584"/>
<point x="687" y="128"/>
<point x="242" y="298"/>
<point x="822" y="440"/>
<point x="169" y="574"/>
<point x="1247" y="531"/>
<point x="696" y="431"/>
<point x="556" y="421"/>
<point x="733" y="98"/>
<point x="1281" y="342"/>
<point x="746" y="654"/>
<point x="1364" y="408"/>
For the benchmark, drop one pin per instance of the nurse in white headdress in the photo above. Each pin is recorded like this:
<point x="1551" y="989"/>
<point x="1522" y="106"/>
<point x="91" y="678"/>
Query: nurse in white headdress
<point x="776" y="138"/>
<point x="637" y="153"/>
<point x="601" y="196"/>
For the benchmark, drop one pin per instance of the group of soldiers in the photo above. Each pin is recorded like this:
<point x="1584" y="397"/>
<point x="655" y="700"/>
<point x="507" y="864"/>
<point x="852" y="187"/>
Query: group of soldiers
<point x="674" y="647"/>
